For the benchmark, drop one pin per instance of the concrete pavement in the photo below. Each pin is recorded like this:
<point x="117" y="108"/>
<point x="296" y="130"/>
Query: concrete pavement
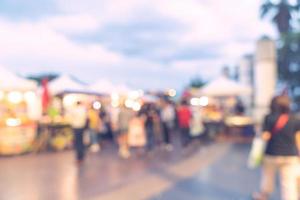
<point x="210" y="172"/>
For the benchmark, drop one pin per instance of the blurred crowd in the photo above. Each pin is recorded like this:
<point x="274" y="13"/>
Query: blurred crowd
<point x="152" y="125"/>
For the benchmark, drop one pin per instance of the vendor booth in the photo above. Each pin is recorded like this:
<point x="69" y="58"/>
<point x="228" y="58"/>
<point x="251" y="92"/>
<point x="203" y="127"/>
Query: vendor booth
<point x="114" y="94"/>
<point x="224" y="87"/>
<point x="55" y="132"/>
<point x="64" y="83"/>
<point x="224" y="92"/>
<point x="18" y="111"/>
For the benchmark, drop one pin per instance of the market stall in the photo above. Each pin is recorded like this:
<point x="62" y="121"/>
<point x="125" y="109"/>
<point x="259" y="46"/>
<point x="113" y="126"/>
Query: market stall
<point x="114" y="94"/>
<point x="55" y="132"/>
<point x="224" y="87"/>
<point x="18" y="112"/>
<point x="224" y="93"/>
<point x="65" y="83"/>
<point x="106" y="89"/>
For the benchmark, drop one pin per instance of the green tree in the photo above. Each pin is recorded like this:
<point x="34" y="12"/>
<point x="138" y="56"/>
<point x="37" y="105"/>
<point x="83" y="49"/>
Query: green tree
<point x="285" y="17"/>
<point x="39" y="78"/>
<point x="197" y="82"/>
<point x="281" y="13"/>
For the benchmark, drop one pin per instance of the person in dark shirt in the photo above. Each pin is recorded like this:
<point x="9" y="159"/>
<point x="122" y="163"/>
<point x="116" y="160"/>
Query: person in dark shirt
<point x="281" y="130"/>
<point x="107" y="129"/>
<point x="149" y="113"/>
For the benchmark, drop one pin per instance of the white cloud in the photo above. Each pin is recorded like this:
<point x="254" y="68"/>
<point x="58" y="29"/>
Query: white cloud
<point x="214" y="21"/>
<point x="201" y="22"/>
<point x="31" y="48"/>
<point x="230" y="27"/>
<point x="206" y="68"/>
<point x="38" y="44"/>
<point x="232" y="51"/>
<point x="106" y="11"/>
<point x="72" y="23"/>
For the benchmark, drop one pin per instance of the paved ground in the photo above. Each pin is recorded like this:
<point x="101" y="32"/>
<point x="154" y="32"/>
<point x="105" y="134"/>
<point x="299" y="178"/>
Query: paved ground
<point x="209" y="172"/>
<point x="227" y="178"/>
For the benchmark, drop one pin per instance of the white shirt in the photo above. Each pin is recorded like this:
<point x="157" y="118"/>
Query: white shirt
<point x="168" y="114"/>
<point x="78" y="117"/>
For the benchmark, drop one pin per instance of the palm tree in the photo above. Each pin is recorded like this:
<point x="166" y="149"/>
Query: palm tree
<point x="286" y="18"/>
<point x="282" y="13"/>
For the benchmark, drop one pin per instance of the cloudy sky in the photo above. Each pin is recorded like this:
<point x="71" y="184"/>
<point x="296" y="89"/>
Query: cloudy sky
<point x="142" y="43"/>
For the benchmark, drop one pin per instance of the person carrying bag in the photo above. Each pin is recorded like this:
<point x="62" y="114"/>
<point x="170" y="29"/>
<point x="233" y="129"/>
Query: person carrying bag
<point x="281" y="133"/>
<point x="259" y="143"/>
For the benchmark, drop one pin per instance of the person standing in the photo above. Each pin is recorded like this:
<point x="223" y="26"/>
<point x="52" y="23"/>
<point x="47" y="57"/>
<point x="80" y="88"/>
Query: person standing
<point x="184" y="119"/>
<point x="149" y="113"/>
<point x="124" y="118"/>
<point x="94" y="123"/>
<point x="167" y="118"/>
<point x="281" y="131"/>
<point x="78" y="121"/>
<point x="108" y="117"/>
<point x="196" y="126"/>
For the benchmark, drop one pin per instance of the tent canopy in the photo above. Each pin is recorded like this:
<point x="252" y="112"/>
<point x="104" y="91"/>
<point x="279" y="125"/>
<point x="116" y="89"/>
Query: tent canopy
<point x="107" y="87"/>
<point x="122" y="89"/>
<point x="102" y="86"/>
<point x="65" y="83"/>
<point x="10" y="81"/>
<point x="223" y="86"/>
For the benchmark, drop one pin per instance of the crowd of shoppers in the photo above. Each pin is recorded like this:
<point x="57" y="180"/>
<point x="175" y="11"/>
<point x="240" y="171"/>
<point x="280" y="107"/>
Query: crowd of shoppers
<point x="153" y="125"/>
<point x="156" y="122"/>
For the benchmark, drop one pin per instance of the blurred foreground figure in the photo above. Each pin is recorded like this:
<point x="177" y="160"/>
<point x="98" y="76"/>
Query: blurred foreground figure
<point x="124" y="118"/>
<point x="78" y="120"/>
<point x="281" y="131"/>
<point x="94" y="123"/>
<point x="167" y="118"/>
<point x="150" y="115"/>
<point x="184" y="119"/>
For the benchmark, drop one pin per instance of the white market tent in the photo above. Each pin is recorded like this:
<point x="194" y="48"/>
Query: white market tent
<point x="65" y="83"/>
<point x="102" y="86"/>
<point x="122" y="89"/>
<point x="107" y="87"/>
<point x="223" y="86"/>
<point x="10" y="81"/>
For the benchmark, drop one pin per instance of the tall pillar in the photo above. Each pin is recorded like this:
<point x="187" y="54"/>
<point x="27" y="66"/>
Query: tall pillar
<point x="265" y="76"/>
